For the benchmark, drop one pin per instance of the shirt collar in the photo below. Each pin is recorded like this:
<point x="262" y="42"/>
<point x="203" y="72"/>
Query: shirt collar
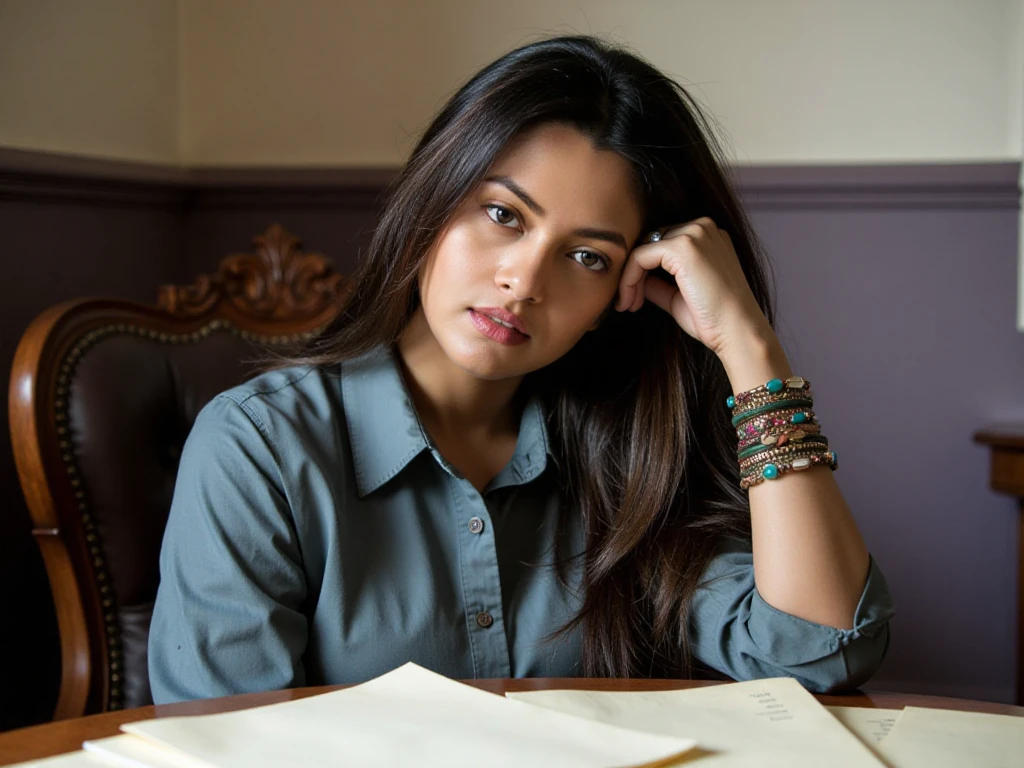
<point x="386" y="434"/>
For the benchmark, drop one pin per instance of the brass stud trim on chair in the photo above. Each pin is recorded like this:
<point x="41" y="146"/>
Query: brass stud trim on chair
<point x="61" y="406"/>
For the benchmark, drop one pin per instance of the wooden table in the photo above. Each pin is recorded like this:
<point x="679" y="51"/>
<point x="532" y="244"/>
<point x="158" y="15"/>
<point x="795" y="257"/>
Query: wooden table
<point x="1006" y="442"/>
<point x="67" y="735"/>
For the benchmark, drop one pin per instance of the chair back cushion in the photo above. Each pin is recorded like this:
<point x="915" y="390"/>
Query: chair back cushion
<point x="133" y="400"/>
<point x="104" y="394"/>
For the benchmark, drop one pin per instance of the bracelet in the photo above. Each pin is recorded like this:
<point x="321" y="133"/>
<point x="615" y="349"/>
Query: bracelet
<point x="769" y="440"/>
<point x="759" y="453"/>
<point x="773" y="387"/>
<point x="755" y="467"/>
<point x="778" y="431"/>
<point x="780" y="435"/>
<point x="779" y="418"/>
<point x="773" y="471"/>
<point x="740" y="418"/>
<point x="767" y="399"/>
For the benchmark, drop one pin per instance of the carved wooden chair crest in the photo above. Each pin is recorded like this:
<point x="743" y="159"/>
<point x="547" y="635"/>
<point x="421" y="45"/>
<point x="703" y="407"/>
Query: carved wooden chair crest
<point x="103" y="393"/>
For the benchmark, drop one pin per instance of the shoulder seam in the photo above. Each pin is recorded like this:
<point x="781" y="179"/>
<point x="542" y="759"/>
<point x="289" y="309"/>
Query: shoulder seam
<point x="261" y="392"/>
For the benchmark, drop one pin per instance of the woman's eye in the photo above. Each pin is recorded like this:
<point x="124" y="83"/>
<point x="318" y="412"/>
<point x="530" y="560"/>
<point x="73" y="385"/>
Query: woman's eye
<point x="501" y="215"/>
<point x="590" y="260"/>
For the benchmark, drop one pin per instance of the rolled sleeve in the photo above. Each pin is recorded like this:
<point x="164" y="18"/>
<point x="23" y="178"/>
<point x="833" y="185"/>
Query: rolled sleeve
<point x="739" y="634"/>
<point x="228" y="616"/>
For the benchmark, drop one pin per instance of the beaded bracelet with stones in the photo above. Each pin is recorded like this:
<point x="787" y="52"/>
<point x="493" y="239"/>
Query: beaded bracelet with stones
<point x="777" y="429"/>
<point x="772" y="435"/>
<point x="800" y="461"/>
<point x="775" y="422"/>
<point x="774" y="386"/>
<point x="781" y="418"/>
<point x="750" y="482"/>
<point x="777" y="468"/>
<point x="758" y="467"/>
<point x="779" y="436"/>
<point x="783" y="396"/>
<point x="773" y="472"/>
<point x="750" y="467"/>
<point x="757" y="453"/>
<point x="762" y="450"/>
<point x="745" y="416"/>
<point x="762" y="400"/>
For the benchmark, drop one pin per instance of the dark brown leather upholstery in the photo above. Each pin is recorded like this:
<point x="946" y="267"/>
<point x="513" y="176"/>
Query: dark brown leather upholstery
<point x="133" y="401"/>
<point x="103" y="395"/>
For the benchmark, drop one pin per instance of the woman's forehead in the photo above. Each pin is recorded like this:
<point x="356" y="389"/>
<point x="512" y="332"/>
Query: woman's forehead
<point x="562" y="170"/>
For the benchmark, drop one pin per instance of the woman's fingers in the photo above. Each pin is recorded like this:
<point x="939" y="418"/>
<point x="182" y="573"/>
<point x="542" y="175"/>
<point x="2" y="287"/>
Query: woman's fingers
<point x="643" y="259"/>
<point x="663" y="294"/>
<point x="668" y="297"/>
<point x="664" y="254"/>
<point x="638" y="298"/>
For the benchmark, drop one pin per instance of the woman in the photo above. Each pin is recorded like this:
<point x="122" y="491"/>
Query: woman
<point x="513" y="455"/>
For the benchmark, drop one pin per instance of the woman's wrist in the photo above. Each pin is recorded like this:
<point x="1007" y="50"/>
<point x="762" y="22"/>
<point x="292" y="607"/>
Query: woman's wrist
<point x="754" y="360"/>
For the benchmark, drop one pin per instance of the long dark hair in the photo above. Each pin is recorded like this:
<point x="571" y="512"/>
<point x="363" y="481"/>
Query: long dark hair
<point x="636" y="409"/>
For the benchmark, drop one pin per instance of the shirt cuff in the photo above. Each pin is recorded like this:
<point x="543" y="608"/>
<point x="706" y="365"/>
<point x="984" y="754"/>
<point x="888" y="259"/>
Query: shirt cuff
<point x="824" y="657"/>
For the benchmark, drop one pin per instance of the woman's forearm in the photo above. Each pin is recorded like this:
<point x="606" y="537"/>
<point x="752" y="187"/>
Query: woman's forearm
<point x="809" y="557"/>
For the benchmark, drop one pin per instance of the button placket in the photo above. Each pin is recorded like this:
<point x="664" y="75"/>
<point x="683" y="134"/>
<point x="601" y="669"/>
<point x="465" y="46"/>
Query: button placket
<point x="482" y="583"/>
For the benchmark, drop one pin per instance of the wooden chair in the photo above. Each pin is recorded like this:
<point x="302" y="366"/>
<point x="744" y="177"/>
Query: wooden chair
<point x="103" y="393"/>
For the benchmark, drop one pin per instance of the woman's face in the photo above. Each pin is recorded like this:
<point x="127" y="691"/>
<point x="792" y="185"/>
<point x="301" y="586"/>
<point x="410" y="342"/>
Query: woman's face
<point x="540" y="246"/>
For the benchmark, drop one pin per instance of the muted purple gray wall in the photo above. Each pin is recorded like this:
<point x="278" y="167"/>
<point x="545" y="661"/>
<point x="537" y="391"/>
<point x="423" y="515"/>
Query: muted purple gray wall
<point x="897" y="295"/>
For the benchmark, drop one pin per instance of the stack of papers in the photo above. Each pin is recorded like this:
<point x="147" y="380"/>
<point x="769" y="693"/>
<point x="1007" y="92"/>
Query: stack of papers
<point x="417" y="718"/>
<point x="408" y="717"/>
<point x="772" y="723"/>
<point x="775" y="722"/>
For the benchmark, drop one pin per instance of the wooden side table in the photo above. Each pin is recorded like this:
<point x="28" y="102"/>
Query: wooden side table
<point x="1007" y="444"/>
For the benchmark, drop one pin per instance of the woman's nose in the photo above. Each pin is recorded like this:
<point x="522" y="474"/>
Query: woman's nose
<point x="522" y="274"/>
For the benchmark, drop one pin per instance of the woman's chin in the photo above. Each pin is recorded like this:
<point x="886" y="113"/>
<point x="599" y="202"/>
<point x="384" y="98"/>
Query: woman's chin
<point x="491" y="361"/>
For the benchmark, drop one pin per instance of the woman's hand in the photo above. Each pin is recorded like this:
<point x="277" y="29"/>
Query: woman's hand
<point x="711" y="299"/>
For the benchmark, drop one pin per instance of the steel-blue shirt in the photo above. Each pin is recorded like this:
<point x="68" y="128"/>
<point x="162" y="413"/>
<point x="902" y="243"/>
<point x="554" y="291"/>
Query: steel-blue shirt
<point x="317" y="536"/>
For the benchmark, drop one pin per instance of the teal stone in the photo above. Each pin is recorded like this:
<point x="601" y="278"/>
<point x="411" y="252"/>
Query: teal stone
<point x="799" y="418"/>
<point x="730" y="401"/>
<point x="770" y="472"/>
<point x="775" y="385"/>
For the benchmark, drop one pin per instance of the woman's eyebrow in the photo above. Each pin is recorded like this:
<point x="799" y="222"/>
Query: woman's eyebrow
<point x="588" y="232"/>
<point x="519" y="192"/>
<point x="602" y="234"/>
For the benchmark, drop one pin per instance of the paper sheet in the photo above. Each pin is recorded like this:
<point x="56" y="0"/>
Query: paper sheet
<point x="407" y="717"/>
<point x="771" y="723"/>
<point x="77" y="759"/>
<point x="127" y="751"/>
<point x="940" y="738"/>
<point x="115" y="752"/>
<point x="869" y="725"/>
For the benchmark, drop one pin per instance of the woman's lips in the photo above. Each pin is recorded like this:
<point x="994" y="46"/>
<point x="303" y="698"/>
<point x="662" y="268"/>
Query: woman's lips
<point x="496" y="331"/>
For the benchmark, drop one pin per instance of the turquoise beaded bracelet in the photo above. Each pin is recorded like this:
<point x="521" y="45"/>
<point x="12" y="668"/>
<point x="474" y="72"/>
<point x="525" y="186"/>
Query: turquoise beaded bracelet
<point x="773" y="471"/>
<point x="777" y="406"/>
<point x="772" y="387"/>
<point x="754" y="450"/>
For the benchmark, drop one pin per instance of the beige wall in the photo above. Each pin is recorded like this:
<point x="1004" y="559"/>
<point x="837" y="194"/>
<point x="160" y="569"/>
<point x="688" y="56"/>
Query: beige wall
<point x="309" y="82"/>
<point x="351" y="82"/>
<point x="90" y="77"/>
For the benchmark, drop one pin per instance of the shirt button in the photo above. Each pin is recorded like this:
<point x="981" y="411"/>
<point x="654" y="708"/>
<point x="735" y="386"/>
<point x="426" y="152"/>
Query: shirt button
<point x="484" y="619"/>
<point x="476" y="525"/>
